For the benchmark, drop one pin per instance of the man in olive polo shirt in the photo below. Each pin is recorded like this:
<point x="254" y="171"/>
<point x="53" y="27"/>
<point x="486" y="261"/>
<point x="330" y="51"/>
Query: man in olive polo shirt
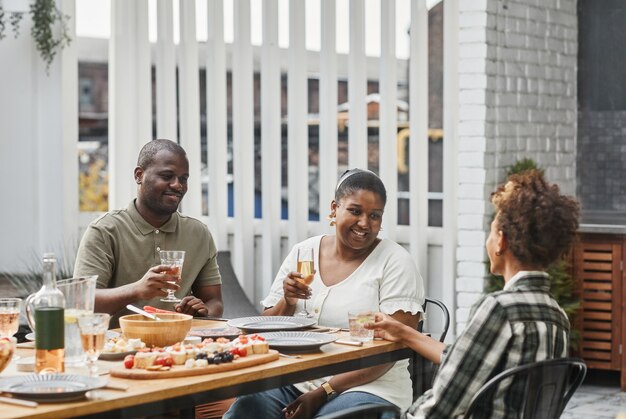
<point x="122" y="247"/>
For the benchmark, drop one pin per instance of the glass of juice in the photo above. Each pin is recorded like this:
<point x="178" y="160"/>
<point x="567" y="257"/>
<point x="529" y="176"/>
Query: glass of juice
<point x="93" y="328"/>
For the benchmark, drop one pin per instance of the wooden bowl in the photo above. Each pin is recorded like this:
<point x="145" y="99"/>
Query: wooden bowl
<point x="170" y="329"/>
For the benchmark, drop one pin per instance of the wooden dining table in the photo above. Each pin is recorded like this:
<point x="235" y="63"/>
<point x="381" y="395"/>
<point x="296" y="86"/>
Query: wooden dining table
<point x="157" y="396"/>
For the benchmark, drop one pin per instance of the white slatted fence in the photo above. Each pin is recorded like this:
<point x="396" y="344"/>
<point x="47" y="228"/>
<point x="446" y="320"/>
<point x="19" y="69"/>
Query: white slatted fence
<point x="243" y="234"/>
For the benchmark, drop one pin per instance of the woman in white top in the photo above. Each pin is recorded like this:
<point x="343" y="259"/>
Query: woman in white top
<point x="356" y="271"/>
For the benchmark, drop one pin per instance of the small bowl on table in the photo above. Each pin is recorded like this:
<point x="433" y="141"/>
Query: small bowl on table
<point x="170" y="329"/>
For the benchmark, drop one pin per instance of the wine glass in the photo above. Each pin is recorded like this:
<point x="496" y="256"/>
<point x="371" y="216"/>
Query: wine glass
<point x="174" y="259"/>
<point x="9" y="316"/>
<point x="93" y="328"/>
<point x="307" y="270"/>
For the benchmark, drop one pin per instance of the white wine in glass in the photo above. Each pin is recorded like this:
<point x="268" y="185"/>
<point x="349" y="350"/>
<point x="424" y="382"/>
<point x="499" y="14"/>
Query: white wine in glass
<point x="9" y="316"/>
<point x="93" y="328"/>
<point x="306" y="268"/>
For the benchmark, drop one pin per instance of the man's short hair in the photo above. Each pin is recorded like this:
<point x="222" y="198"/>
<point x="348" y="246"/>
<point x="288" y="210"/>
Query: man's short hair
<point x="150" y="149"/>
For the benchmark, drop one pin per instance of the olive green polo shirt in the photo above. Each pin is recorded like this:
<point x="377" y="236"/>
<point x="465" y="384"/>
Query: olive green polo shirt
<point x="121" y="246"/>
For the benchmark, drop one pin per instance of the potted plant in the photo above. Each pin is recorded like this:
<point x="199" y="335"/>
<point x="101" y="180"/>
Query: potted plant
<point x="49" y="26"/>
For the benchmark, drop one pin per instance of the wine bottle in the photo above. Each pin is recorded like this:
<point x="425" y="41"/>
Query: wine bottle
<point x="48" y="304"/>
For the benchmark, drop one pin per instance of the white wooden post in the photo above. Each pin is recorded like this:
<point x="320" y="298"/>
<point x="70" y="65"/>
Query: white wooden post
<point x="388" y="114"/>
<point x="243" y="148"/>
<point x="69" y="128"/>
<point x="166" y="72"/>
<point x="189" y="116"/>
<point x="271" y="150"/>
<point x="357" y="88"/>
<point x="298" y="145"/>
<point x="418" y="146"/>
<point x="328" y="112"/>
<point x="450" y="153"/>
<point x="217" y="124"/>
<point x="129" y="100"/>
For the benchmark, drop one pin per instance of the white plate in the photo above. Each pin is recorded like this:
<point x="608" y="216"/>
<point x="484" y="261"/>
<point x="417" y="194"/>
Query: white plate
<point x="271" y="323"/>
<point x="296" y="341"/>
<point x="110" y="334"/>
<point x="50" y="387"/>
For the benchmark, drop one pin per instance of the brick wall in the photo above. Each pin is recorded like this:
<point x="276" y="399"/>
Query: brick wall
<point x="517" y="99"/>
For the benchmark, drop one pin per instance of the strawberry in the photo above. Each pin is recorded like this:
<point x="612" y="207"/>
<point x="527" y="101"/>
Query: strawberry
<point x="129" y="361"/>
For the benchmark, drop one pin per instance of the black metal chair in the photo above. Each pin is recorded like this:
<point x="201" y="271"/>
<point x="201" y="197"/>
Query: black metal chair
<point x="236" y="303"/>
<point x="422" y="370"/>
<point x="366" y="411"/>
<point x="545" y="387"/>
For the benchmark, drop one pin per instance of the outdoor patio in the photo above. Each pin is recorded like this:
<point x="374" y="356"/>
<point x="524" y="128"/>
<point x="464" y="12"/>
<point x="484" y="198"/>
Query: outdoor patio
<point x="598" y="398"/>
<point x="518" y="79"/>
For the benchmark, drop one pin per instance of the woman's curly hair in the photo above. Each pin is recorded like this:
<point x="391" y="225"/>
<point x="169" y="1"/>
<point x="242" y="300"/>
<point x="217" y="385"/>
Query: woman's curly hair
<point x="538" y="222"/>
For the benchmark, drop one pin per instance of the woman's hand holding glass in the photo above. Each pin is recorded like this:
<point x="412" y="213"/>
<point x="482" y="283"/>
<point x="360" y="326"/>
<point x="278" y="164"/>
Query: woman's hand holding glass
<point x="386" y="327"/>
<point x="296" y="285"/>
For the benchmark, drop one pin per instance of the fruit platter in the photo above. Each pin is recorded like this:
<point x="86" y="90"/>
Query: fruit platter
<point x="209" y="356"/>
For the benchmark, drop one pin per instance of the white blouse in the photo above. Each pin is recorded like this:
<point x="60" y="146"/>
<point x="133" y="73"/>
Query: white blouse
<point x="387" y="280"/>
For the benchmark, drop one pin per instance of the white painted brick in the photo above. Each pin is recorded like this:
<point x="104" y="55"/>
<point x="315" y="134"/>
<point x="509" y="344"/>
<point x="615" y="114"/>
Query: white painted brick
<point x="473" y="112"/>
<point x="473" y="81"/>
<point x="473" y="206"/>
<point x="474" y="5"/>
<point x="473" y="50"/>
<point x="471" y="269"/>
<point x="472" y="159"/>
<point x="473" y="128"/>
<point x="473" y="19"/>
<point x="472" y="66"/>
<point x="472" y="175"/>
<point x="471" y="221"/>
<point x="462" y="314"/>
<point x="471" y="238"/>
<point x="470" y="284"/>
<point x="470" y="190"/>
<point x="467" y="299"/>
<point x="473" y="253"/>
<point x="473" y="34"/>
<point x="468" y="143"/>
<point x="472" y="96"/>
<point x="515" y="9"/>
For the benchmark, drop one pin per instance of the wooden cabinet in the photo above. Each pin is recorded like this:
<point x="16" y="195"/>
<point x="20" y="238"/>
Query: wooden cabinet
<point x="598" y="267"/>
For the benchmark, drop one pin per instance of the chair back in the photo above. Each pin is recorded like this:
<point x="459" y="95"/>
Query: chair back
<point x="544" y="388"/>
<point x="236" y="303"/>
<point x="436" y="324"/>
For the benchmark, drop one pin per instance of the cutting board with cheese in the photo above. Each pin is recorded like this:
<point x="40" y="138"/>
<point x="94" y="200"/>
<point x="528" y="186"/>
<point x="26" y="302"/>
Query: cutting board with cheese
<point x="182" y="371"/>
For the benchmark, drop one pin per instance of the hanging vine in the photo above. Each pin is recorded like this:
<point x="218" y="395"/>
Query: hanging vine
<point x="49" y="29"/>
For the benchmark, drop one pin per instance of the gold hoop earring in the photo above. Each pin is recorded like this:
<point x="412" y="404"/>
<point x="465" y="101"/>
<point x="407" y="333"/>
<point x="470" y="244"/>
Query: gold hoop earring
<point x="498" y="253"/>
<point x="332" y="219"/>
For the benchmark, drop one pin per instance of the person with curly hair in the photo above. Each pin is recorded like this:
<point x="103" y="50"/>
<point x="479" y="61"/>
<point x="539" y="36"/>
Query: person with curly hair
<point x="534" y="226"/>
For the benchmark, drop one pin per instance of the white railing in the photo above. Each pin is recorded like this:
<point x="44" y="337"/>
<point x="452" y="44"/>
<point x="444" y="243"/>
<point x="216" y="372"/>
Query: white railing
<point x="258" y="246"/>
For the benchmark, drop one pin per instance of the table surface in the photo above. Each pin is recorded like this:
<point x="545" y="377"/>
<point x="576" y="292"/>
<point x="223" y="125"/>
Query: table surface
<point x="153" y="396"/>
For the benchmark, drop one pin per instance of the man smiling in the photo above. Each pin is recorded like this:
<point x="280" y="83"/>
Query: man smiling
<point x="122" y="247"/>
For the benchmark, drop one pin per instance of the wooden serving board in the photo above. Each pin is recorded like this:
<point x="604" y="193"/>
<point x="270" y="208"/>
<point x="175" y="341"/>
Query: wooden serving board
<point x="181" y="371"/>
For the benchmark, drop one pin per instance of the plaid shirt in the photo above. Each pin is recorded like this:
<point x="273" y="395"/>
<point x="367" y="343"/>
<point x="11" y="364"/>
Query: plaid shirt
<point x="516" y="326"/>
